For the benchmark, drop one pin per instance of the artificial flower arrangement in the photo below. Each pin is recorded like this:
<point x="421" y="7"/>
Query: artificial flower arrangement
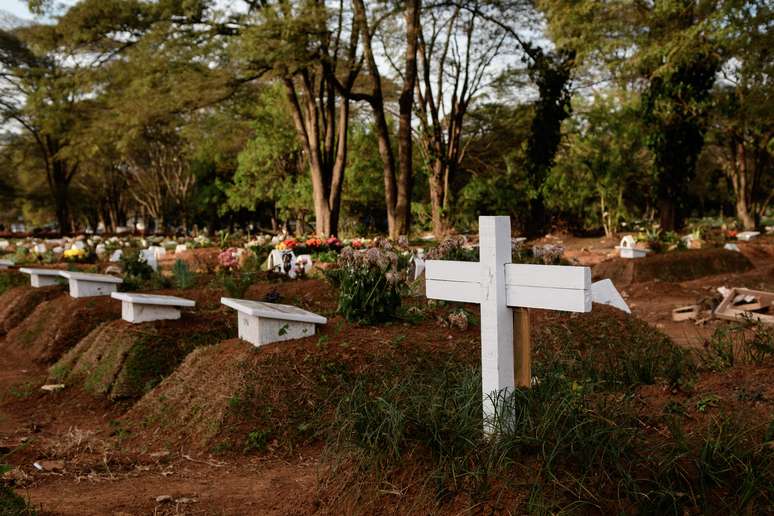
<point x="75" y="254"/>
<point x="310" y="245"/>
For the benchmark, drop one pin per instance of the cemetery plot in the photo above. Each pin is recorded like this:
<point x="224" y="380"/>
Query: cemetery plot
<point x="262" y="323"/>
<point x="90" y="285"/>
<point x="139" y="308"/>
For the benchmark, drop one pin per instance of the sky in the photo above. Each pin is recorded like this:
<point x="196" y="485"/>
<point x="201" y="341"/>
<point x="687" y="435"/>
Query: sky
<point x="16" y="7"/>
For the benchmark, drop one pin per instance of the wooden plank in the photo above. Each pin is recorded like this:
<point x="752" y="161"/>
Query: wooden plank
<point x="522" y="347"/>
<point x="450" y="270"/>
<point x="563" y="299"/>
<point x="462" y="291"/>
<point x="551" y="276"/>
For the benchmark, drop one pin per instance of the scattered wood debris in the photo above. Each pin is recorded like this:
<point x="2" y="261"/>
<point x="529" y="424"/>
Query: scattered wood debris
<point x="741" y="303"/>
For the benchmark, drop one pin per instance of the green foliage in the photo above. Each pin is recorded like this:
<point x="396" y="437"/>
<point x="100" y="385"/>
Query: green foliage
<point x="370" y="285"/>
<point x="236" y="283"/>
<point x="9" y="280"/>
<point x="135" y="267"/>
<point x="182" y="276"/>
<point x="12" y="504"/>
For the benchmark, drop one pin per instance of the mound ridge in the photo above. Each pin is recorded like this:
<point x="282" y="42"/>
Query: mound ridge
<point x="120" y="360"/>
<point x="673" y="266"/>
<point x="58" y="324"/>
<point x="19" y="302"/>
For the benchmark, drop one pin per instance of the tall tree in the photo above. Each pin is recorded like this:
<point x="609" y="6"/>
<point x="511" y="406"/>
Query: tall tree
<point x="457" y="49"/>
<point x="398" y="177"/>
<point x="43" y="95"/>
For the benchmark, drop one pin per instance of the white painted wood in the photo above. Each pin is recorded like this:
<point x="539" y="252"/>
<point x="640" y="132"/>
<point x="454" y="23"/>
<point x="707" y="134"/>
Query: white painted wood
<point x="497" y="368"/>
<point x="450" y="270"/>
<point x="547" y="298"/>
<point x="461" y="291"/>
<point x="84" y="284"/>
<point x="605" y="293"/>
<point x="547" y="276"/>
<point x="262" y="323"/>
<point x="496" y="284"/>
<point x="42" y="277"/>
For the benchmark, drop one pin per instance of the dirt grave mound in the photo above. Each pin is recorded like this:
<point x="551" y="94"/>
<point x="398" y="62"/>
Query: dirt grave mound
<point x="232" y="396"/>
<point x="121" y="360"/>
<point x="19" y="302"/>
<point x="674" y="266"/>
<point x="58" y="324"/>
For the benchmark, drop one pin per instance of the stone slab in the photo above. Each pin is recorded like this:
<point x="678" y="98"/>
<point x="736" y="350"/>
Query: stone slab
<point x="263" y="323"/>
<point x="153" y="299"/>
<point x="83" y="284"/>
<point x="42" y="277"/>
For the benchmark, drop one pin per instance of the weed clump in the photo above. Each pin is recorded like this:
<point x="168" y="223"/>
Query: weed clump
<point x="370" y="284"/>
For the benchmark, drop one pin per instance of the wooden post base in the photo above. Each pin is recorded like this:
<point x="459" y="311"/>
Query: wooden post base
<point x="522" y="348"/>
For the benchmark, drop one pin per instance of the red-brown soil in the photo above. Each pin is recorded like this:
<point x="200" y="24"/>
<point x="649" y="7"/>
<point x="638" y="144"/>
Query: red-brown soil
<point x="17" y="303"/>
<point x="118" y="459"/>
<point x="57" y="325"/>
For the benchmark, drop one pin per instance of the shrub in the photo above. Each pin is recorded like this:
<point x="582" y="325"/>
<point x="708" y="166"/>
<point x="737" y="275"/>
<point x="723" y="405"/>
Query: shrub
<point x="182" y="276"/>
<point x="370" y="284"/>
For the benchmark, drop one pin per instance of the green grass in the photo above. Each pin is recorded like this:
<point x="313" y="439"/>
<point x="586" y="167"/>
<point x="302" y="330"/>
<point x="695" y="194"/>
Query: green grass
<point x="9" y="280"/>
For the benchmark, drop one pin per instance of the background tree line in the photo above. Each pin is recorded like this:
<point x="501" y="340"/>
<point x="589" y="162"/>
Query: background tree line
<point x="387" y="115"/>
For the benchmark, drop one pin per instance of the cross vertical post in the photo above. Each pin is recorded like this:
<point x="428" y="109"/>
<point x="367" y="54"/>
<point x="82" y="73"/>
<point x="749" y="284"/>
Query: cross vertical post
<point x="497" y="368"/>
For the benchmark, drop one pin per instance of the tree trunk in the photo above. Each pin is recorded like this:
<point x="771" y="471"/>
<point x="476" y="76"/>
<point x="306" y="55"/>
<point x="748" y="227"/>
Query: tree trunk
<point x="405" y="142"/>
<point x="438" y="187"/>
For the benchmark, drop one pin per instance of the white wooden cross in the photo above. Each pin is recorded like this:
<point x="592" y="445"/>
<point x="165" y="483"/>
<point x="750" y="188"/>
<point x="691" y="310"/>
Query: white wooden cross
<point x="499" y="285"/>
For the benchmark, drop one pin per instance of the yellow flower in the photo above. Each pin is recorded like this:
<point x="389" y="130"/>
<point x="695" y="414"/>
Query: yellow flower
<point x="75" y="253"/>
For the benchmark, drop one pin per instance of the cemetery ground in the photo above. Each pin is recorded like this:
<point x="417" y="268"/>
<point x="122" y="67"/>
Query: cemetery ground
<point x="629" y="414"/>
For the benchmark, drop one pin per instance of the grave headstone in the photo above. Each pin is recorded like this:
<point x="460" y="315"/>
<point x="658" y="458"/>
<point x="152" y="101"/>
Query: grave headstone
<point x="42" y="277"/>
<point x="499" y="285"/>
<point x="262" y="323"/>
<point x="83" y="284"/>
<point x="4" y="264"/>
<point x="139" y="308"/>
<point x="627" y="248"/>
<point x="746" y="236"/>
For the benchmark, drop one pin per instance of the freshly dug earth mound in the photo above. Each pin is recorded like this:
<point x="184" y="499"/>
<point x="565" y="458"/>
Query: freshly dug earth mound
<point x="235" y="397"/>
<point x="19" y="302"/>
<point x="674" y="266"/>
<point x="121" y="360"/>
<point x="57" y="325"/>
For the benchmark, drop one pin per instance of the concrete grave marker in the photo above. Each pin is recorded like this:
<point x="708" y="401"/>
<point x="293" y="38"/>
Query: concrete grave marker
<point x="84" y="284"/>
<point x="42" y="277"/>
<point x="4" y="264"/>
<point x="263" y="323"/>
<point x="499" y="285"/>
<point x="627" y="248"/>
<point x="139" y="308"/>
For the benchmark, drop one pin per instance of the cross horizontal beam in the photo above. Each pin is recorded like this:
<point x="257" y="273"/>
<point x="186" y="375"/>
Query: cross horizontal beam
<point x="549" y="287"/>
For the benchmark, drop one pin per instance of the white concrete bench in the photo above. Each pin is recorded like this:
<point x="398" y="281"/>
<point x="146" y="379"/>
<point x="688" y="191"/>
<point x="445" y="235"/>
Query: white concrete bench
<point x="4" y="264"/>
<point x="139" y="308"/>
<point x="262" y="323"/>
<point x="83" y="284"/>
<point x="42" y="277"/>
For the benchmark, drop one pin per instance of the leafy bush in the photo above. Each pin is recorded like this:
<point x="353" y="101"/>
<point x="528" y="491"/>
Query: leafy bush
<point x="182" y="276"/>
<point x="370" y="284"/>
<point x="135" y="266"/>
